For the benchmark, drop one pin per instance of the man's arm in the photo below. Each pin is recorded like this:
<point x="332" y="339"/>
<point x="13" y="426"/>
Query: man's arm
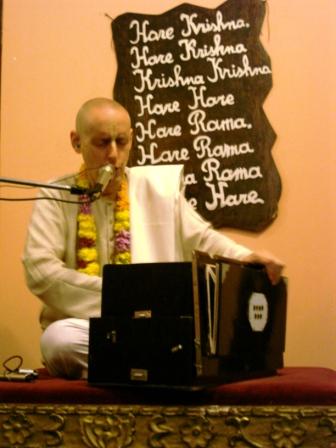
<point x="273" y="265"/>
<point x="199" y="234"/>
<point x="49" y="259"/>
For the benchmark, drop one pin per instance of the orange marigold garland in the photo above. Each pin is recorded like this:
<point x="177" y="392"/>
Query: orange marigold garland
<point x="121" y="227"/>
<point x="87" y="253"/>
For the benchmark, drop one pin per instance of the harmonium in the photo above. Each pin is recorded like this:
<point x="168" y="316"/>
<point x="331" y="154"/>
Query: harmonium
<point x="187" y="325"/>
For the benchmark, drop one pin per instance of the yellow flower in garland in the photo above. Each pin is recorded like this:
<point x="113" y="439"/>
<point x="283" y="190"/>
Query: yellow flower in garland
<point x="86" y="226"/>
<point x="122" y="216"/>
<point x="87" y="254"/>
<point x="92" y="269"/>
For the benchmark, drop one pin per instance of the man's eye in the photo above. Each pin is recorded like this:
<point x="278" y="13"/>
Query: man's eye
<point x="122" y="141"/>
<point x="103" y="143"/>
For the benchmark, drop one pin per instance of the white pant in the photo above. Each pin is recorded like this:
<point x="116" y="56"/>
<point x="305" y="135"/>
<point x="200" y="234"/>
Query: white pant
<point x="65" y="347"/>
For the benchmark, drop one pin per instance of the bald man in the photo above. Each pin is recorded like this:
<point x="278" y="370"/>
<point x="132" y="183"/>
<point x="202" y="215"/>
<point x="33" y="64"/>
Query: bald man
<point x="103" y="136"/>
<point x="141" y="216"/>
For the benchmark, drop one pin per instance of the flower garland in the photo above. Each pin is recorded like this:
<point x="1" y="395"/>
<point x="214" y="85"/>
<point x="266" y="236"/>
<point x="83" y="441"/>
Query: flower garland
<point x="121" y="227"/>
<point x="87" y="253"/>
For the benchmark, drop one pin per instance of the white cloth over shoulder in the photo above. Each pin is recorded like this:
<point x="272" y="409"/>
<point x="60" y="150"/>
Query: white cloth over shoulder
<point x="154" y="192"/>
<point x="164" y="226"/>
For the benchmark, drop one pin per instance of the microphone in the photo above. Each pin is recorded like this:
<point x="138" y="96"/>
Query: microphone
<point x="104" y="176"/>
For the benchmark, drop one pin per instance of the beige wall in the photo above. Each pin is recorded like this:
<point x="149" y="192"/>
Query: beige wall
<point x="57" y="53"/>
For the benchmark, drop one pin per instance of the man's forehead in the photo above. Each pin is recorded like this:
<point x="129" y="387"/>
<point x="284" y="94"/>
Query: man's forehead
<point x="107" y="131"/>
<point x="104" y="120"/>
<point x="94" y="115"/>
<point x="98" y="113"/>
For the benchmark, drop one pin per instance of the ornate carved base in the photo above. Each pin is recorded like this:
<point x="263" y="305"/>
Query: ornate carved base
<point x="70" y="426"/>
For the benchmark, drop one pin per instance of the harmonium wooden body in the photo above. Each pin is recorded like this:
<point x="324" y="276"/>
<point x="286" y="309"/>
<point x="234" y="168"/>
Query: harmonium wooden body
<point x="187" y="325"/>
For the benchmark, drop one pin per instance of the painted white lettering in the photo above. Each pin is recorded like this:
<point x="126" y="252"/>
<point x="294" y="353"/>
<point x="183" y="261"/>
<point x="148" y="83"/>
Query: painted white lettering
<point x="190" y="179"/>
<point x="150" y="130"/>
<point x="203" y="148"/>
<point x="192" y="27"/>
<point x="220" y="199"/>
<point x="244" y="71"/>
<point x="148" y="106"/>
<point x="171" y="156"/>
<point x="201" y="100"/>
<point x="211" y="168"/>
<point x="198" y="123"/>
<point x="191" y="49"/>
<point x="193" y="203"/>
<point x="141" y="57"/>
<point x="144" y="34"/>
<point x="145" y="80"/>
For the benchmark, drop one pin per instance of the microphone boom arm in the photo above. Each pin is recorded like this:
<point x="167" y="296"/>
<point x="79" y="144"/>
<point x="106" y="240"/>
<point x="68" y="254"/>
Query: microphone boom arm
<point x="74" y="189"/>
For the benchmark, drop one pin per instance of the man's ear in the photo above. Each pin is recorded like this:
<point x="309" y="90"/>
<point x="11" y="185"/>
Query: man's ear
<point x="75" y="141"/>
<point x="131" y="136"/>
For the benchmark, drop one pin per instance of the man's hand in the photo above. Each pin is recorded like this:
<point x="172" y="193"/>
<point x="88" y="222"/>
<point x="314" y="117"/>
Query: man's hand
<point x="273" y="266"/>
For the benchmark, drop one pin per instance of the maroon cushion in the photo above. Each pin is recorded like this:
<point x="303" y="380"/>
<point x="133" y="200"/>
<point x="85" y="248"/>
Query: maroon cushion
<point x="291" y="385"/>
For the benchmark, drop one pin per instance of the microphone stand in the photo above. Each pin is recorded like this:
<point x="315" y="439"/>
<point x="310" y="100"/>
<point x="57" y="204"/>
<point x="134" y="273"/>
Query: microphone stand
<point x="73" y="189"/>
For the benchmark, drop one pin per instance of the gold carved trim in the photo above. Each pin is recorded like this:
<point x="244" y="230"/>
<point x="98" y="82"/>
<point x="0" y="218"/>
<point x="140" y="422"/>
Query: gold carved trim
<point x="119" y="426"/>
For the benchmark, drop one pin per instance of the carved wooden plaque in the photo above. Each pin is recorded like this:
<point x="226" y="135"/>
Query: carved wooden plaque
<point x="146" y="426"/>
<point x="194" y="81"/>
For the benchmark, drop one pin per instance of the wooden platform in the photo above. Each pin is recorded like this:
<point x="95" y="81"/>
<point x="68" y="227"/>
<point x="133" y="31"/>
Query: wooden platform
<point x="295" y="408"/>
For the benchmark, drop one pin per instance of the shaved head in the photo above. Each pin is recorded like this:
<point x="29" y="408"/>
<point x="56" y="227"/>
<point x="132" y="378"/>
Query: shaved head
<point x="86" y="114"/>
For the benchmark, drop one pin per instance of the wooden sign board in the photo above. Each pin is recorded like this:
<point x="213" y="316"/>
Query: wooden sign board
<point x="194" y="81"/>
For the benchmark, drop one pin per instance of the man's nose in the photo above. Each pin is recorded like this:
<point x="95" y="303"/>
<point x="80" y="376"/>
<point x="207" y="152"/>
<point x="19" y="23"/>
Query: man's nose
<point x="112" y="154"/>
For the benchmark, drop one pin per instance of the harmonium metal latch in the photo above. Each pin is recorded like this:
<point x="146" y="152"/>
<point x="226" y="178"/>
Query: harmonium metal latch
<point x="139" y="375"/>
<point x="142" y="314"/>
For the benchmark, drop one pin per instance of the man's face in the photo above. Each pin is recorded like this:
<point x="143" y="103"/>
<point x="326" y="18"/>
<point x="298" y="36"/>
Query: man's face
<point x="105" y="138"/>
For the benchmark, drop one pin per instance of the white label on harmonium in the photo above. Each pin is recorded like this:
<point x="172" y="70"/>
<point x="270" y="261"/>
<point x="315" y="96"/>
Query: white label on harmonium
<point x="257" y="311"/>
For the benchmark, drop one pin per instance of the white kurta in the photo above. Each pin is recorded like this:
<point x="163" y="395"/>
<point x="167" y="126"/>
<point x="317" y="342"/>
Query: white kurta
<point x="164" y="227"/>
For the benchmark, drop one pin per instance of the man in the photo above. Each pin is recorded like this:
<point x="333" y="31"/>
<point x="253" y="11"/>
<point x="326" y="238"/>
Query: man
<point x="141" y="216"/>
